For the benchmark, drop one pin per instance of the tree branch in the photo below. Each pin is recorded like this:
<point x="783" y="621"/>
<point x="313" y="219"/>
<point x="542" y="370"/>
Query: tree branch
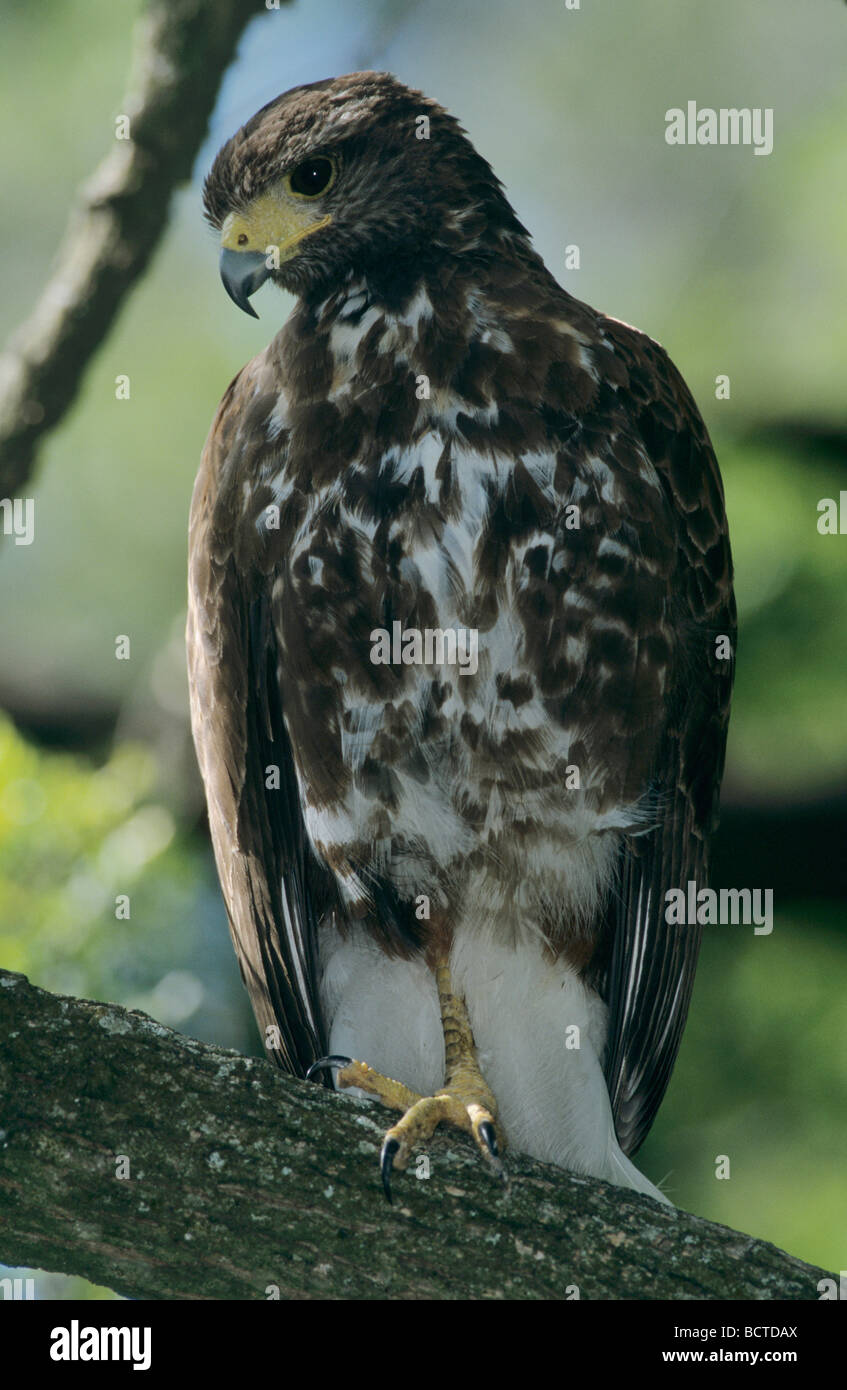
<point x="165" y="1168"/>
<point x="181" y="52"/>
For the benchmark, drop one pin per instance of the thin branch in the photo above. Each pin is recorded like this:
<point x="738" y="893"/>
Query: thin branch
<point x="165" y="1168"/>
<point x="181" y="51"/>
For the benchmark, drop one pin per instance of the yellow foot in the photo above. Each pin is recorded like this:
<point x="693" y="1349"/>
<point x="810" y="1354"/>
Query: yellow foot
<point x="465" y="1100"/>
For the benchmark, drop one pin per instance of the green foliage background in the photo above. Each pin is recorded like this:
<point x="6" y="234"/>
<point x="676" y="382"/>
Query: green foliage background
<point x="735" y="263"/>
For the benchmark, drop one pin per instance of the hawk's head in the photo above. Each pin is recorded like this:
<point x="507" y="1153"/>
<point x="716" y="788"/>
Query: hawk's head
<point x="346" y="177"/>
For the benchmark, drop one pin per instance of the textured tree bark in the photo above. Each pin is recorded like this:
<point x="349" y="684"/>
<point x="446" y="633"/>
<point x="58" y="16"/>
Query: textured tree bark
<point x="168" y="1169"/>
<point x="182" y="50"/>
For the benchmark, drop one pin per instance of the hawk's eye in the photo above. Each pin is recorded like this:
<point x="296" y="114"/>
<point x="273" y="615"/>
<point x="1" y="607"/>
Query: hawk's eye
<point x="312" y="177"/>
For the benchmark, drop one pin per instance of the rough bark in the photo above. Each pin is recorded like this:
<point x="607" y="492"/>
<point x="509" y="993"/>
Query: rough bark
<point x="243" y="1182"/>
<point x="181" y="52"/>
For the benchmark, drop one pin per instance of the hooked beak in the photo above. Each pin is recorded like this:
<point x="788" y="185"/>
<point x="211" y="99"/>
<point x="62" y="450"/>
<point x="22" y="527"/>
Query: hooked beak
<point x="242" y="272"/>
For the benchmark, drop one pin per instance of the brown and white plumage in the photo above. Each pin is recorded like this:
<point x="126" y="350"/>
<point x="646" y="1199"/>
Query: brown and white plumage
<point x="411" y="446"/>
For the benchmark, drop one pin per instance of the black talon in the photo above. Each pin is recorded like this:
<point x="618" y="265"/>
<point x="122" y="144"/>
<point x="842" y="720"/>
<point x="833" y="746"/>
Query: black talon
<point x="386" y="1163"/>
<point x="489" y="1138"/>
<point x="327" y="1062"/>
<point x="486" y="1129"/>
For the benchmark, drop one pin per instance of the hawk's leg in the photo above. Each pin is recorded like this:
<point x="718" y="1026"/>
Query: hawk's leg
<point x="465" y="1100"/>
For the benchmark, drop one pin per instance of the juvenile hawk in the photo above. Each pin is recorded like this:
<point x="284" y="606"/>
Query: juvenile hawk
<point x="453" y="873"/>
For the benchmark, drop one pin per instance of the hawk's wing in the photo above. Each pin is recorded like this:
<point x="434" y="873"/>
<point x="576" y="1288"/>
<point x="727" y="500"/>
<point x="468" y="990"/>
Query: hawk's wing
<point x="274" y="888"/>
<point x="650" y="969"/>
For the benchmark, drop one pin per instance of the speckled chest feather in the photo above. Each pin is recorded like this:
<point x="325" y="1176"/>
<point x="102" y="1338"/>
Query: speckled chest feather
<point x="508" y="498"/>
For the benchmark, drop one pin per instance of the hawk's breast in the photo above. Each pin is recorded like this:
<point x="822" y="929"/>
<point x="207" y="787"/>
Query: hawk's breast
<point x="506" y="772"/>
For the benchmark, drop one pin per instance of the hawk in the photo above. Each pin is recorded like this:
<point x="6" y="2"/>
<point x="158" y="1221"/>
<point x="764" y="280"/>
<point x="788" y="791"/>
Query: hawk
<point x="446" y="879"/>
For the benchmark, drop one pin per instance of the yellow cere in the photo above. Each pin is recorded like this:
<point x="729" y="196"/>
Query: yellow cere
<point x="271" y="221"/>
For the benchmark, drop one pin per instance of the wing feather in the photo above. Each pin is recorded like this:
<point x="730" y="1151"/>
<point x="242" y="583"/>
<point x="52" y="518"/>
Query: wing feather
<point x="650" y="966"/>
<point x="274" y="889"/>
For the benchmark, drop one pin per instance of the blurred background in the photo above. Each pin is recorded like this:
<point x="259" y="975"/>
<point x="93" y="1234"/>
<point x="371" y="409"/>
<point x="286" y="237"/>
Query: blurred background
<point x="735" y="262"/>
